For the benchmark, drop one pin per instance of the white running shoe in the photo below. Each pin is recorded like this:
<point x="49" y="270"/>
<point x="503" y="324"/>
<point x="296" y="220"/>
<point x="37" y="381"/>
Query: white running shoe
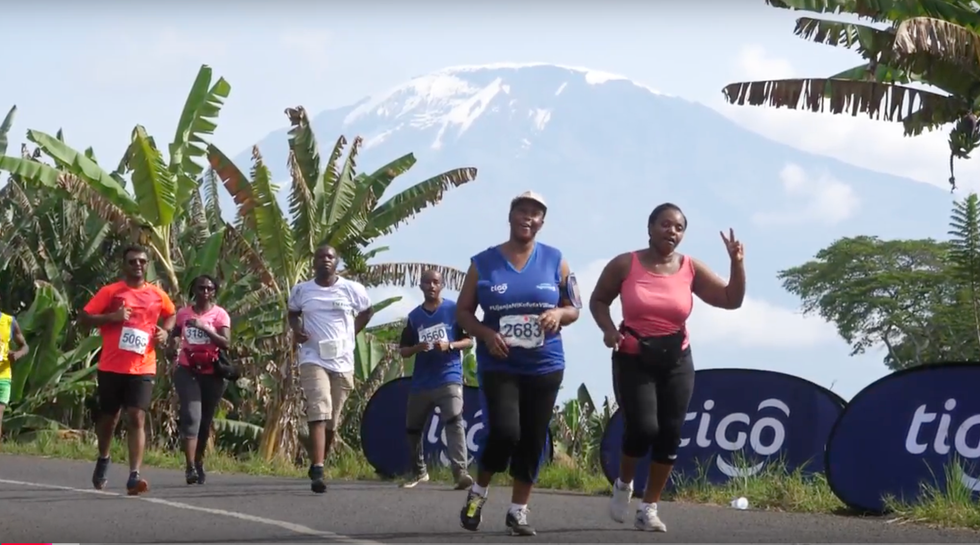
<point x="423" y="478"/>
<point x="647" y="519"/>
<point x="619" y="504"/>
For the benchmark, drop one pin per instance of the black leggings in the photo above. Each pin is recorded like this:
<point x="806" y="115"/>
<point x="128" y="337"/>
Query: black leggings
<point x="199" y="397"/>
<point x="654" y="399"/>
<point x="517" y="414"/>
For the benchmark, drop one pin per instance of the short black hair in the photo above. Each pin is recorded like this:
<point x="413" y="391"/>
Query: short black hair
<point x="133" y="249"/>
<point x="325" y="246"/>
<point x="198" y="278"/>
<point x="660" y="209"/>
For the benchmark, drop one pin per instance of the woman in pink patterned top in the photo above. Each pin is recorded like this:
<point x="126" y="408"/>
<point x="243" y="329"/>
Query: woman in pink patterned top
<point x="203" y="328"/>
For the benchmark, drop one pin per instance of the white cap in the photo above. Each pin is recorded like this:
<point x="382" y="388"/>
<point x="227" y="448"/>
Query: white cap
<point x="529" y="196"/>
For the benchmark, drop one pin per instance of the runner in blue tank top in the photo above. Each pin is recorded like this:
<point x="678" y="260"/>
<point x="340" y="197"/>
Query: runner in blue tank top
<point x="432" y="335"/>
<point x="527" y="294"/>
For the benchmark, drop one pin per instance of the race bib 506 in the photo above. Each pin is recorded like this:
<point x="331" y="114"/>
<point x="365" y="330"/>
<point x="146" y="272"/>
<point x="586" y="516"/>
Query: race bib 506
<point x="134" y="340"/>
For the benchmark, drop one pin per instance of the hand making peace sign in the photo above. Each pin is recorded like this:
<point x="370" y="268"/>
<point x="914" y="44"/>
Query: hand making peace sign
<point x="735" y="249"/>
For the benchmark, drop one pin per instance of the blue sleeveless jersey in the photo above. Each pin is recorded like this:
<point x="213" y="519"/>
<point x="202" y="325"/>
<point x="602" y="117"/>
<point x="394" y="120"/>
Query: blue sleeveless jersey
<point x="435" y="368"/>
<point x="511" y="301"/>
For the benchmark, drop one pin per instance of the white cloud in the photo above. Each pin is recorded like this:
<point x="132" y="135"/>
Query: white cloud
<point x="172" y="45"/>
<point x="149" y="59"/>
<point x="311" y="45"/>
<point x="410" y="298"/>
<point x="754" y="63"/>
<point x="824" y="199"/>
<point x="876" y="145"/>
<point x="758" y="324"/>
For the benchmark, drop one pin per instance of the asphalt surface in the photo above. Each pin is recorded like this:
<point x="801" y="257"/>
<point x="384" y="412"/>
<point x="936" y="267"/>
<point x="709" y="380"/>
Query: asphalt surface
<point x="46" y="500"/>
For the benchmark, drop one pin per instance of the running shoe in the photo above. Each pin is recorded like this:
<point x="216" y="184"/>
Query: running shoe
<point x="471" y="515"/>
<point x="517" y="523"/>
<point x="190" y="475"/>
<point x="647" y="519"/>
<point x="318" y="485"/>
<point x="619" y="504"/>
<point x="423" y="478"/>
<point x="136" y="485"/>
<point x="464" y="481"/>
<point x="199" y="467"/>
<point x="99" y="475"/>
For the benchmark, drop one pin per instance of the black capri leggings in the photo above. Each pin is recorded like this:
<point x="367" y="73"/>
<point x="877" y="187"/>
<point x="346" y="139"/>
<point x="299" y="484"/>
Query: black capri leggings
<point x="517" y="414"/>
<point x="199" y="396"/>
<point x="654" y="399"/>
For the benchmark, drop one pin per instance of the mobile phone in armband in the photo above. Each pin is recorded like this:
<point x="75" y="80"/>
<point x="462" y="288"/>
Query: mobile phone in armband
<point x="572" y="291"/>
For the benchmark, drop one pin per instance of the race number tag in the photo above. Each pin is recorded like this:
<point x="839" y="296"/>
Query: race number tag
<point x="433" y="334"/>
<point x="196" y="337"/>
<point x="330" y="348"/>
<point x="522" y="331"/>
<point x="134" y="340"/>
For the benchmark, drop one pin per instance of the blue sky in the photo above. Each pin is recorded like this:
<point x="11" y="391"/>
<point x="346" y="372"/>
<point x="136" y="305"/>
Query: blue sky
<point x="97" y="70"/>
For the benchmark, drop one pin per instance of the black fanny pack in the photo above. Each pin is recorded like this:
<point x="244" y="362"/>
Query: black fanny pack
<point x="225" y="368"/>
<point x="660" y="350"/>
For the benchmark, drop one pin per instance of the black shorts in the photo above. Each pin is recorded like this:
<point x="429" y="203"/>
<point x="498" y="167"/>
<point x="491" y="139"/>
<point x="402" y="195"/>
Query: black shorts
<point x="118" y="390"/>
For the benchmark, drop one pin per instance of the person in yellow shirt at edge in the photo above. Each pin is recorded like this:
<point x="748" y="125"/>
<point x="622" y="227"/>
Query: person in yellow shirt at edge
<point x="10" y="333"/>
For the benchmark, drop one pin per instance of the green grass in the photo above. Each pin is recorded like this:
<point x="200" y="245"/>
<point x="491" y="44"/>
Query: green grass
<point x="951" y="506"/>
<point x="773" y="488"/>
<point x="347" y="466"/>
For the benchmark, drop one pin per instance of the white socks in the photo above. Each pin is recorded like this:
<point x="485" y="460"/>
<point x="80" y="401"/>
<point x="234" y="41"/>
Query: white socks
<point x="621" y="485"/>
<point x="643" y="506"/>
<point x="477" y="489"/>
<point x="516" y="508"/>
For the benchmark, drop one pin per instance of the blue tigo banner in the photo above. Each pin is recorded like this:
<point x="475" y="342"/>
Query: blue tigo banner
<point x="383" y="430"/>
<point x="905" y="430"/>
<point x="738" y="421"/>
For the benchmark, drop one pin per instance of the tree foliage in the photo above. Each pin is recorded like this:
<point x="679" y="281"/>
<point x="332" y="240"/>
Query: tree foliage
<point x="927" y="42"/>
<point x="63" y="218"/>
<point x="918" y="299"/>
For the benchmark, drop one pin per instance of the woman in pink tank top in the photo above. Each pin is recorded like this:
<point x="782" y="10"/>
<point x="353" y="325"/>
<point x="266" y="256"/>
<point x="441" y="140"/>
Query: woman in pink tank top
<point x="203" y="328"/>
<point x="653" y="372"/>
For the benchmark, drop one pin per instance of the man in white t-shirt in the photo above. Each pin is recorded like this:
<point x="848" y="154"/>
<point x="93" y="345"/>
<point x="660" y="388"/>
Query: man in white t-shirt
<point x="325" y="314"/>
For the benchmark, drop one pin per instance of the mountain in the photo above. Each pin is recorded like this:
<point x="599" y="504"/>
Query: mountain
<point x="604" y="150"/>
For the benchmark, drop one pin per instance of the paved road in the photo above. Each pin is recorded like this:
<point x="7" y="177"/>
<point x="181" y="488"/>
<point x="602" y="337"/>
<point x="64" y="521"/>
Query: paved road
<point x="52" y="501"/>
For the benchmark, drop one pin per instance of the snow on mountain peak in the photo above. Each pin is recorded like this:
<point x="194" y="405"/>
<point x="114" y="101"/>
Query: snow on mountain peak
<point x="453" y="98"/>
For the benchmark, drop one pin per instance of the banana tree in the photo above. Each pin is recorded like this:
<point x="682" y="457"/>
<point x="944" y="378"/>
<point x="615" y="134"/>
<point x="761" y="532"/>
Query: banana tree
<point x="578" y="426"/>
<point x="930" y="42"/>
<point x="373" y="366"/>
<point x="162" y="190"/>
<point x="46" y="237"/>
<point x="329" y="203"/>
<point x="50" y="384"/>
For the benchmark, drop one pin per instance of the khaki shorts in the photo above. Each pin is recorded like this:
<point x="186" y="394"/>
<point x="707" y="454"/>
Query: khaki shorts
<point x="325" y="392"/>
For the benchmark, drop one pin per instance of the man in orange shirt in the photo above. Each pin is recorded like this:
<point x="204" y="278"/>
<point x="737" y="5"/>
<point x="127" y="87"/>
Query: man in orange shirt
<point x="126" y="313"/>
